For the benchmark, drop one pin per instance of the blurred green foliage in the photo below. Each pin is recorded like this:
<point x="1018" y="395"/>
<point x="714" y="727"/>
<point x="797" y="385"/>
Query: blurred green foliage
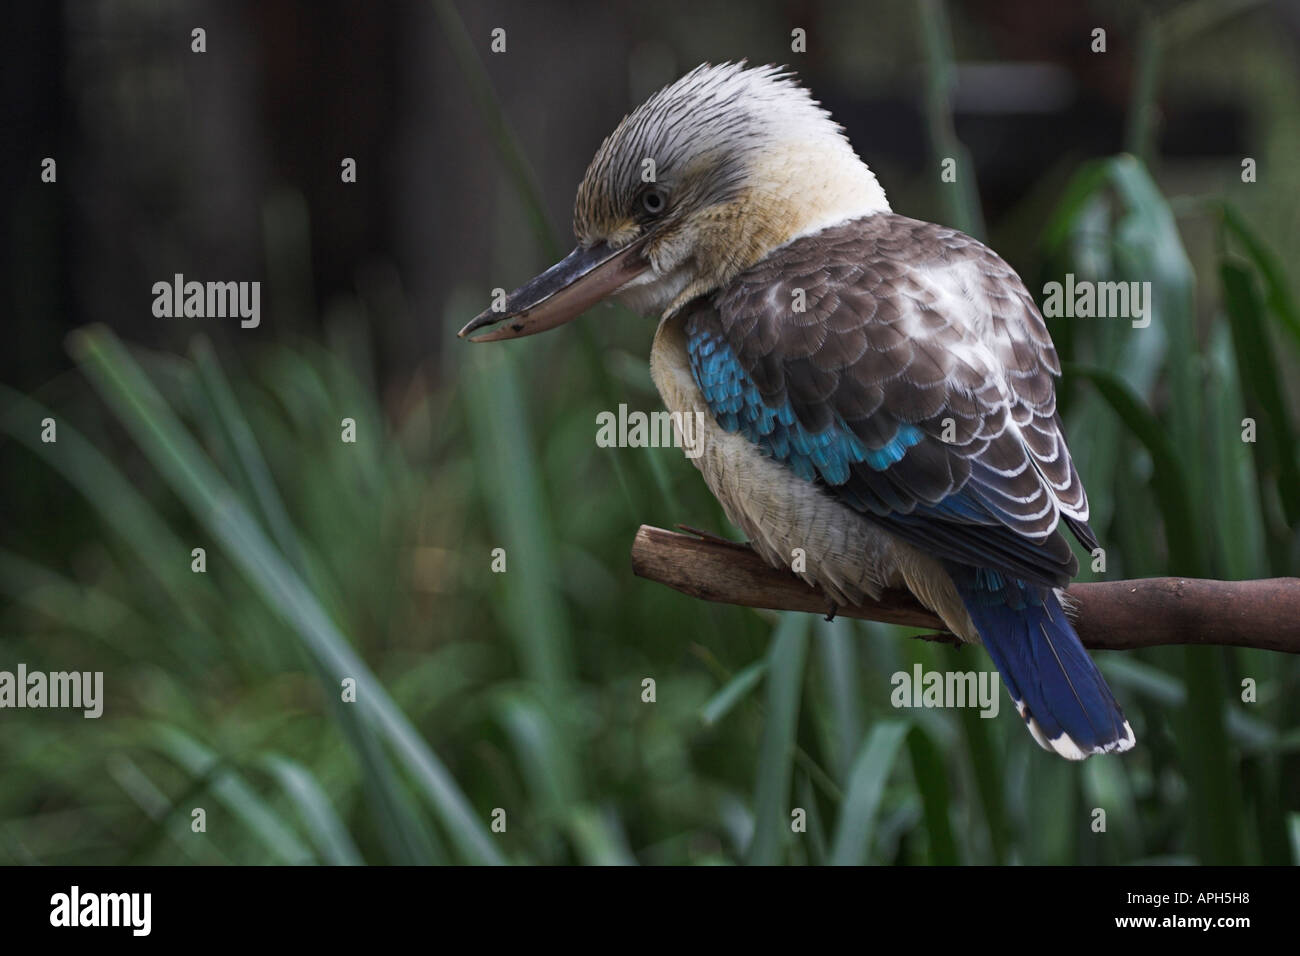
<point x="523" y="691"/>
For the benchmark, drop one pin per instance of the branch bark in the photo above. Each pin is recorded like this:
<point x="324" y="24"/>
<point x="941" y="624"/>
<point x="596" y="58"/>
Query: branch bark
<point x="1112" y="615"/>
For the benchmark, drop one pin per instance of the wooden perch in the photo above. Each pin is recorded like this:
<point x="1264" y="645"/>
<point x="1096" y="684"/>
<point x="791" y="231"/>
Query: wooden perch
<point x="1112" y="615"/>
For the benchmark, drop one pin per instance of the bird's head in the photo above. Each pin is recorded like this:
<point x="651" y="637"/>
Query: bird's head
<point x="696" y="185"/>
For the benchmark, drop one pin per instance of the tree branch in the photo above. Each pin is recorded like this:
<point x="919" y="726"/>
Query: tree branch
<point x="1112" y="615"/>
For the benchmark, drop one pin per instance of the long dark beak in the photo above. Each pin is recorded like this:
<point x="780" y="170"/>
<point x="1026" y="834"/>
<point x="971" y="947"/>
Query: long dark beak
<point x="560" y="294"/>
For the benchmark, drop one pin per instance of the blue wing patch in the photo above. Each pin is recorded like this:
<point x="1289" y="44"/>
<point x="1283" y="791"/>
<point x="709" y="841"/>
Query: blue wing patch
<point x="830" y="456"/>
<point x="737" y="405"/>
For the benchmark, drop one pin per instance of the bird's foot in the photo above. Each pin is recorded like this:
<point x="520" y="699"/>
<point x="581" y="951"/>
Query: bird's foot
<point x="832" y="611"/>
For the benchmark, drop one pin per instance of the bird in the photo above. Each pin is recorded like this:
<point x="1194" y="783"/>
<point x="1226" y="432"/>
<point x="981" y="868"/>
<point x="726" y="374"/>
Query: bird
<point x="876" y="393"/>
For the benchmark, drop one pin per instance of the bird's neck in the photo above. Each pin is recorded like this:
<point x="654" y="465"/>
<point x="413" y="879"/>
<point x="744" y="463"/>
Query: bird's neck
<point x="810" y="186"/>
<point x="799" y="188"/>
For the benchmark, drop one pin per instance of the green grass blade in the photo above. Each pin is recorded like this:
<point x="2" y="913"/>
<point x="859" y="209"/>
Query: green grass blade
<point x="507" y="470"/>
<point x="1173" y="494"/>
<point x="193" y="478"/>
<point x="236" y="794"/>
<point x="932" y="782"/>
<point x="1211" y="763"/>
<point x="865" y="792"/>
<point x="1265" y="399"/>
<point x="986" y="764"/>
<point x="961" y="197"/>
<point x="543" y="760"/>
<point x="333" y="842"/>
<point x="244" y="444"/>
<point x="121" y="507"/>
<point x="838" y="654"/>
<point x="733" y="692"/>
<point x="777" y="748"/>
<point x="1277" y="285"/>
<point x="597" y="837"/>
<point x="406" y="838"/>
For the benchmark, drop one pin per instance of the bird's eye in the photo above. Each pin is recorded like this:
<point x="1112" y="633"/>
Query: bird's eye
<point x="654" y="201"/>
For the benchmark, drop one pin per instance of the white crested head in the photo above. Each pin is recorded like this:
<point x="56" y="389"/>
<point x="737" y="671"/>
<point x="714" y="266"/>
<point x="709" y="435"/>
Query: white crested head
<point x="713" y="173"/>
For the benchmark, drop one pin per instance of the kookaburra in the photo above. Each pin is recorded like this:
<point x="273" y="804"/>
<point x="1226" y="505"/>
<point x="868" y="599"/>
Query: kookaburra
<point x="876" y="391"/>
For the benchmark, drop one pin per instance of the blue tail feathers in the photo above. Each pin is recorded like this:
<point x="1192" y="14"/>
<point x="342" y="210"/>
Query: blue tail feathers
<point x="1056" y="687"/>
